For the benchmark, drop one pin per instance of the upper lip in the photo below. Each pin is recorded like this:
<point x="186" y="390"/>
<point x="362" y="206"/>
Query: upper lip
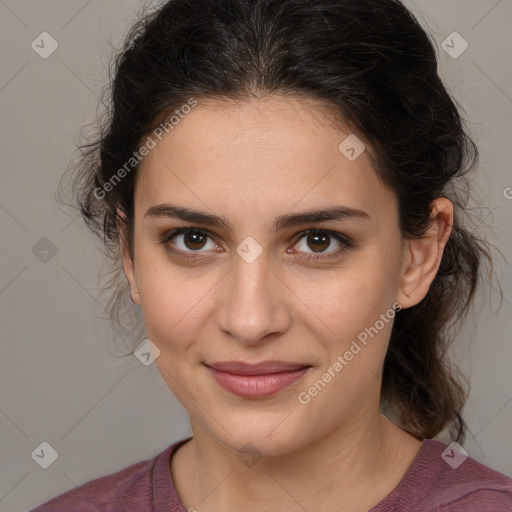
<point x="262" y="368"/>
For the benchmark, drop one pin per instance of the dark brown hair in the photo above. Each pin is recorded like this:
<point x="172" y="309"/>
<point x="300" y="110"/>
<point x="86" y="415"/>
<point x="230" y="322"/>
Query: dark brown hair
<point x="374" y="66"/>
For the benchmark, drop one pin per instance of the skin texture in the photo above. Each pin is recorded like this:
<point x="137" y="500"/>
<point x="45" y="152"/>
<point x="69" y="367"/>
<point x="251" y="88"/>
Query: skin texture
<point x="250" y="162"/>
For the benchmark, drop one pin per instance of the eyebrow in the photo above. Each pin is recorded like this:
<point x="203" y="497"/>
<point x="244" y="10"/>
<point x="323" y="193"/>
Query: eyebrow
<point x="283" y="221"/>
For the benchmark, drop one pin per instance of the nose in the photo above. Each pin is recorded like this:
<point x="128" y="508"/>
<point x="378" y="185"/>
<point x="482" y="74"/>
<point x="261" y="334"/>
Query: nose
<point x="254" y="307"/>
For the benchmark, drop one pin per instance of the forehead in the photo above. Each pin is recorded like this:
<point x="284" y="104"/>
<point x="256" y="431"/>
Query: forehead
<point x="261" y="153"/>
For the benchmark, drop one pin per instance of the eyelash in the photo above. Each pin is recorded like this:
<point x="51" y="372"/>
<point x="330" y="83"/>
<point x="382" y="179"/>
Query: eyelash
<point x="347" y="243"/>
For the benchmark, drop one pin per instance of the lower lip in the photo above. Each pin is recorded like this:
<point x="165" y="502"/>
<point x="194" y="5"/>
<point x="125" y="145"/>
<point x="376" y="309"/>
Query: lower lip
<point x="257" y="386"/>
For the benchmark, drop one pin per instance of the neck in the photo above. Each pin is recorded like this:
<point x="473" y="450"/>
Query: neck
<point x="354" y="465"/>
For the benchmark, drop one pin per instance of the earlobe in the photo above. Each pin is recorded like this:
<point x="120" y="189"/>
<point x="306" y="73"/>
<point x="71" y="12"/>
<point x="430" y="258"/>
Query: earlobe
<point x="126" y="259"/>
<point x="134" y="297"/>
<point x="423" y="256"/>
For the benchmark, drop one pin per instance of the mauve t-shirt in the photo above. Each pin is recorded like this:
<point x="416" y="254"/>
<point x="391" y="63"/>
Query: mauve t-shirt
<point x="438" y="479"/>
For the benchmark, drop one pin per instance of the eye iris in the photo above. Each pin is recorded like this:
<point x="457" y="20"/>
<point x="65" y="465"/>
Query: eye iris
<point x="194" y="240"/>
<point x="320" y="242"/>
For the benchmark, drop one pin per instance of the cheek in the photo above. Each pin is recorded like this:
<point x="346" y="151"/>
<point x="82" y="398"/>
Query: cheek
<point x="174" y="311"/>
<point x="176" y="304"/>
<point x="350" y="306"/>
<point x="343" y="303"/>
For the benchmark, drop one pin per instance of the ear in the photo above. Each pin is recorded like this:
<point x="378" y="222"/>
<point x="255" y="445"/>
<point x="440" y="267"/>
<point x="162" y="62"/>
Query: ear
<point x="128" y="265"/>
<point x="423" y="256"/>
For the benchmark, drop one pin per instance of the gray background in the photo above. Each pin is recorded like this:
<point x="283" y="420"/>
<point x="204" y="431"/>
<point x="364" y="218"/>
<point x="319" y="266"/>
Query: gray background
<point x="59" y="379"/>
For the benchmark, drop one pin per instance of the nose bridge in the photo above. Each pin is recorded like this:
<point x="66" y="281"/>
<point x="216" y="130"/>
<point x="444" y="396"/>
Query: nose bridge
<point x="253" y="305"/>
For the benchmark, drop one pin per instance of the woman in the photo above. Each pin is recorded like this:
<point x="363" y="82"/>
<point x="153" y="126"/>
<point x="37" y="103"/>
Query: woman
<point x="277" y="178"/>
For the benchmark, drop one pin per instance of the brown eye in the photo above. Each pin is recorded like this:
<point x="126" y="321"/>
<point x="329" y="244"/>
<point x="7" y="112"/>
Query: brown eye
<point x="194" y="241"/>
<point x="321" y="244"/>
<point x="190" y="240"/>
<point x="318" y="242"/>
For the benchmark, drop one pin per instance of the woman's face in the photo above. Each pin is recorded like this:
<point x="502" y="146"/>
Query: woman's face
<point x="254" y="286"/>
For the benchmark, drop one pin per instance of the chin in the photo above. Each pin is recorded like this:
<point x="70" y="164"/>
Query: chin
<point x="261" y="441"/>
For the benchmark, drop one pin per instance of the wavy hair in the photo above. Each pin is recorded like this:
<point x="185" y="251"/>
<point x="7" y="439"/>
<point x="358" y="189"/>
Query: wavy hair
<point x="375" y="68"/>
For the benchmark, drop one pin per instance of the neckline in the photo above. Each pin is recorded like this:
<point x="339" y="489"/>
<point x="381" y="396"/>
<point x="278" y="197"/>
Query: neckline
<point x="165" y="493"/>
<point x="407" y="487"/>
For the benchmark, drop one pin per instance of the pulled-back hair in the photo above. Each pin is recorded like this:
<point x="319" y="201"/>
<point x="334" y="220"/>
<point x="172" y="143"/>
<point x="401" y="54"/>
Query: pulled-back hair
<point x="375" y="68"/>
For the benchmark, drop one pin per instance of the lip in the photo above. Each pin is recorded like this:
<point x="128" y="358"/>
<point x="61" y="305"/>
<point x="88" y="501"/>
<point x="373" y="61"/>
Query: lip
<point x="256" y="380"/>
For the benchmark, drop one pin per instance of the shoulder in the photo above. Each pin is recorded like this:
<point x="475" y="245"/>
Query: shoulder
<point x="130" y="488"/>
<point x="444" y="478"/>
<point x="452" y="480"/>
